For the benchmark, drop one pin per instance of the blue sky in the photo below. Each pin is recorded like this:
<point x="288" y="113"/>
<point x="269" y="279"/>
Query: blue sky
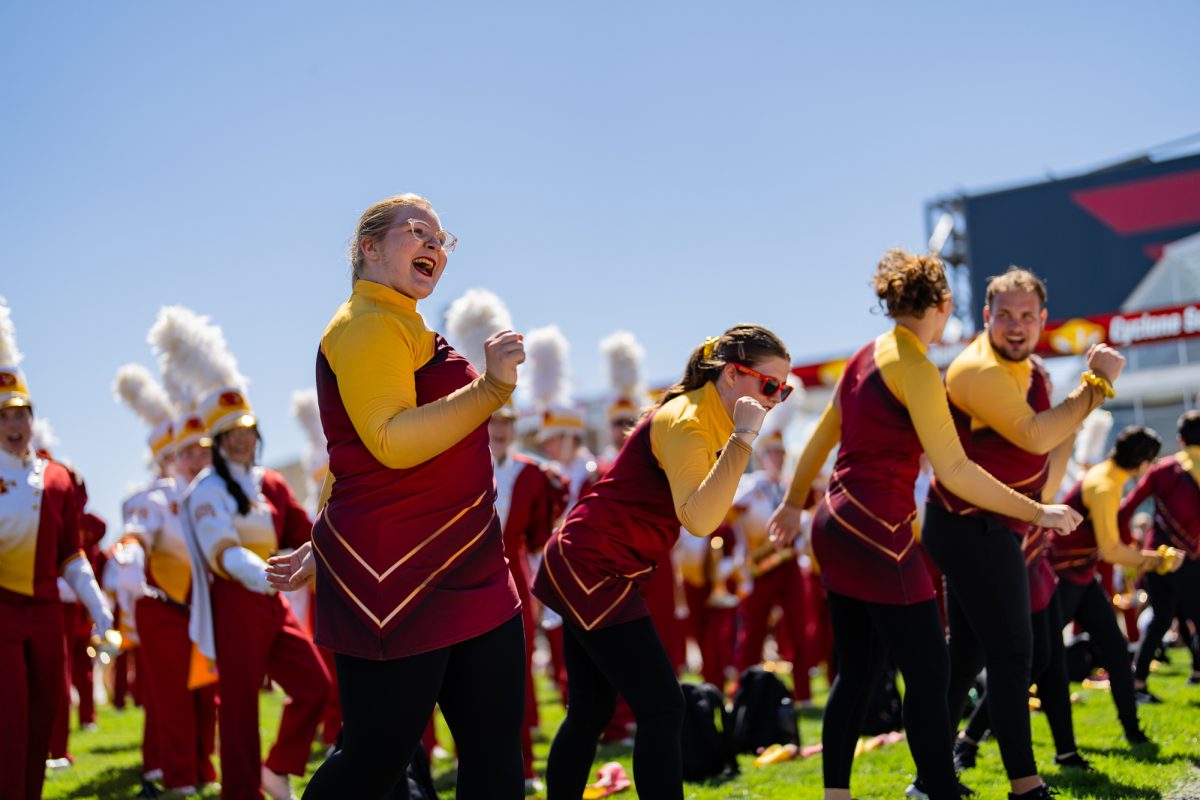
<point x="668" y="168"/>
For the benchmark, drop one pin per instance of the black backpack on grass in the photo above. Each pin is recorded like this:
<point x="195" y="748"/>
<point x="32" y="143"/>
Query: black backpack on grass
<point x="706" y="742"/>
<point x="763" y="712"/>
<point x="417" y="781"/>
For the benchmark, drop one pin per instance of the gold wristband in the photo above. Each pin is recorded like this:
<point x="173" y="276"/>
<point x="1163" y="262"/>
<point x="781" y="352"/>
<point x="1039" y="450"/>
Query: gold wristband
<point x="1100" y="382"/>
<point x="1169" y="556"/>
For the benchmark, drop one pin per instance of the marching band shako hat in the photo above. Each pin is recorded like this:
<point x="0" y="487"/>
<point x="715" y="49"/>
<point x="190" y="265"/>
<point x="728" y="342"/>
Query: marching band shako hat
<point x="138" y="389"/>
<point x="14" y="390"/>
<point x="624" y="356"/>
<point x="196" y="363"/>
<point x="506" y="411"/>
<point x="226" y="408"/>
<point x="558" y="419"/>
<point x="162" y="439"/>
<point x="189" y="429"/>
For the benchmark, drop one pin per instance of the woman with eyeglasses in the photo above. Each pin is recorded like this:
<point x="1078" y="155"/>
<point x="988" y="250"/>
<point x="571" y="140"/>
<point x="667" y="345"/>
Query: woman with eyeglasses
<point x="413" y="594"/>
<point x="680" y="466"/>
<point x="889" y="406"/>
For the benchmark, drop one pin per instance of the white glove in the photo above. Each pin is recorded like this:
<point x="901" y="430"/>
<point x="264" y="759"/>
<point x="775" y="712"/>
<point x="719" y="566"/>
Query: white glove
<point x="247" y="568"/>
<point x="131" y="579"/>
<point x="65" y="593"/>
<point x="78" y="574"/>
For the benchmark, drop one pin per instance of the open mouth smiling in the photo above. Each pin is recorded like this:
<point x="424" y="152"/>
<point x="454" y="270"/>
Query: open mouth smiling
<point x="424" y="265"/>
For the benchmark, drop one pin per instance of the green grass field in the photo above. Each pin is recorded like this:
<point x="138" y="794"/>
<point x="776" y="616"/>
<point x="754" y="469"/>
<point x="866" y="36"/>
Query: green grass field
<point x="108" y="759"/>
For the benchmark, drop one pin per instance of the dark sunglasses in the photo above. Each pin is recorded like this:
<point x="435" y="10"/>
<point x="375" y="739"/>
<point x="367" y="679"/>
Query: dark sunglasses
<point x="770" y="386"/>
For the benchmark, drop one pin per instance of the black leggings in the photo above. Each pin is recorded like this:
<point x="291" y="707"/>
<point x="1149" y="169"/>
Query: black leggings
<point x="865" y="635"/>
<point x="480" y="686"/>
<point x="1170" y="594"/>
<point x="987" y="608"/>
<point x="1049" y="672"/>
<point x="628" y="658"/>
<point x="1091" y="607"/>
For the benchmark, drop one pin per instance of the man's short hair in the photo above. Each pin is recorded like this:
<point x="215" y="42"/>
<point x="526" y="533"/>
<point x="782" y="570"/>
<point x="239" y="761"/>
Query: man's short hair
<point x="1135" y="446"/>
<point x="1016" y="279"/>
<point x="1189" y="427"/>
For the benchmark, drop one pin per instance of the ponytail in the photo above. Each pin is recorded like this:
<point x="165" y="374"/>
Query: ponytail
<point x="741" y="344"/>
<point x="221" y="467"/>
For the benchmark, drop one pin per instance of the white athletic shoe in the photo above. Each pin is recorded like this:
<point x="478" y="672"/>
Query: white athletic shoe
<point x="533" y="786"/>
<point x="58" y="763"/>
<point x="914" y="792"/>
<point x="277" y="787"/>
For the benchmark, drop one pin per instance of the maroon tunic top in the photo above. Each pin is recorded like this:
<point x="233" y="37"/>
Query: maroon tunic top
<point x="612" y="541"/>
<point x="1176" y="506"/>
<point x="863" y="535"/>
<point x="1020" y="469"/>
<point x="409" y="560"/>
<point x="1075" y="555"/>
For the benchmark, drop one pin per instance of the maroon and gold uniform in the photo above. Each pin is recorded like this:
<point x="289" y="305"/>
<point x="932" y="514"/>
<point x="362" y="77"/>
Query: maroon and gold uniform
<point x="405" y="529"/>
<point x="618" y="534"/>
<point x="185" y="718"/>
<point x="255" y="632"/>
<point x="39" y="536"/>
<point x="974" y="405"/>
<point x="863" y="533"/>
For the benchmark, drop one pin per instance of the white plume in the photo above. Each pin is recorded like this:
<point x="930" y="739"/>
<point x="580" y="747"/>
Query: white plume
<point x="136" y="387"/>
<point x="625" y="356"/>
<point x="472" y="319"/>
<point x="1093" y="435"/>
<point x="9" y="354"/>
<point x="44" y="437"/>
<point x="308" y="413"/>
<point x="547" y="350"/>
<point x="193" y="348"/>
<point x="181" y="393"/>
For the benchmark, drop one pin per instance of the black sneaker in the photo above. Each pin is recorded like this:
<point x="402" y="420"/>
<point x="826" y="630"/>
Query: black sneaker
<point x="1076" y="761"/>
<point x="1136" y="737"/>
<point x="917" y="791"/>
<point x="1194" y="679"/>
<point x="1040" y="793"/>
<point x="1144" y="697"/>
<point x="964" y="754"/>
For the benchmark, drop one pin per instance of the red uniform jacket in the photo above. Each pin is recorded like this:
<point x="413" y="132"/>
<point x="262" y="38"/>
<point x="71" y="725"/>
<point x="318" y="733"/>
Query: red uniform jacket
<point x="539" y="497"/>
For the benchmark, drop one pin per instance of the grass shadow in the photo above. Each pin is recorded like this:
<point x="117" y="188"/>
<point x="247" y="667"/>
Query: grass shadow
<point x="1099" y="785"/>
<point x="112" y="784"/>
<point x="1145" y="753"/>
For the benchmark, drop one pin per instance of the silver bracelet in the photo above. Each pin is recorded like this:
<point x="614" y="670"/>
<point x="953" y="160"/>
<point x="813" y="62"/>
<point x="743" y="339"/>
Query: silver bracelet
<point x="745" y="430"/>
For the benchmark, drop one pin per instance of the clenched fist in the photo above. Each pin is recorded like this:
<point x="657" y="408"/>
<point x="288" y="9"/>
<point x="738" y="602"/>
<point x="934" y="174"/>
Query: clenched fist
<point x="748" y="415"/>
<point x="503" y="352"/>
<point x="1105" y="361"/>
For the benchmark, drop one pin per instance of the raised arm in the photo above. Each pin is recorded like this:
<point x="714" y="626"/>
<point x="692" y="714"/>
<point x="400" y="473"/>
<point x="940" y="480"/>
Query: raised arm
<point x="375" y="364"/>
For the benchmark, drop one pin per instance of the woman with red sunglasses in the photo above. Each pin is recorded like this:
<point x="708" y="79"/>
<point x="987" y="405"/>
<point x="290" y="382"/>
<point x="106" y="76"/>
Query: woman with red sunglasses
<point x="889" y="406"/>
<point x="680" y="466"/>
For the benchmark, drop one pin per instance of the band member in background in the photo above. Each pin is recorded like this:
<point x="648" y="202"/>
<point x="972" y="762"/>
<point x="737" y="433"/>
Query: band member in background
<point x="39" y="542"/>
<point x="1174" y="485"/>
<point x="237" y="513"/>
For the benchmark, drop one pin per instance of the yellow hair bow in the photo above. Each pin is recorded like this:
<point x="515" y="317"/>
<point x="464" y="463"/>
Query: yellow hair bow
<point x="710" y="344"/>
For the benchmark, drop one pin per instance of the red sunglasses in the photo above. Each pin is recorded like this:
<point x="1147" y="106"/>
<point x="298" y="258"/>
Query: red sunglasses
<point x="769" y="385"/>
